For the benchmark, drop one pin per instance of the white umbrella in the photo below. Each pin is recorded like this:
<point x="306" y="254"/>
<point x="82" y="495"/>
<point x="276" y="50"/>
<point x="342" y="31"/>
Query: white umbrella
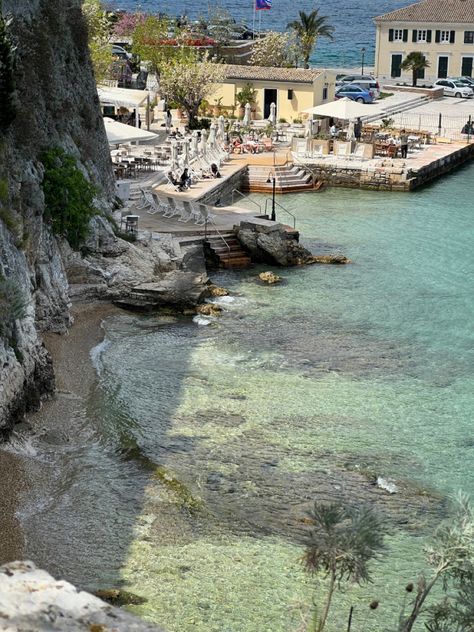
<point x="345" y="109"/>
<point x="211" y="141"/>
<point x="246" y="121"/>
<point x="203" y="143"/>
<point x="221" y="129"/>
<point x="308" y="136"/>
<point x="350" y="131"/>
<point x="186" y="153"/>
<point x="272" y="118"/>
<point x="194" y="143"/>
<point x="121" y="133"/>
<point x="174" y="155"/>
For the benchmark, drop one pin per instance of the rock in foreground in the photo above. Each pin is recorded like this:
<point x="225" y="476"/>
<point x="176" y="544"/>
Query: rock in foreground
<point x="269" y="277"/>
<point x="33" y="601"/>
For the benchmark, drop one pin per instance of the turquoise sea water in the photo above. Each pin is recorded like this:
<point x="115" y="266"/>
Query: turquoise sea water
<point x="303" y="391"/>
<point x="352" y="19"/>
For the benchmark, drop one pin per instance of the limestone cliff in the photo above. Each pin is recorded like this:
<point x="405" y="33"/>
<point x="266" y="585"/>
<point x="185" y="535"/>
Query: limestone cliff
<point x="48" y="100"/>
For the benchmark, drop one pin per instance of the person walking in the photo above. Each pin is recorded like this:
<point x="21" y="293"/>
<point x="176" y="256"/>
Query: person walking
<point x="404" y="143"/>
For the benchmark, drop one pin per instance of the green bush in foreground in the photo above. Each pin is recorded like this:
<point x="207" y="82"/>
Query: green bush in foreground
<point x="69" y="196"/>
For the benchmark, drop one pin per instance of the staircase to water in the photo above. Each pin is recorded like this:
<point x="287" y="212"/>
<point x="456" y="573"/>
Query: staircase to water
<point x="289" y="178"/>
<point x="225" y="251"/>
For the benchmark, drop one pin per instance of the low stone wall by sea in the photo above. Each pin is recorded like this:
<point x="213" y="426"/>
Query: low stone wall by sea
<point x="223" y="192"/>
<point x="388" y="176"/>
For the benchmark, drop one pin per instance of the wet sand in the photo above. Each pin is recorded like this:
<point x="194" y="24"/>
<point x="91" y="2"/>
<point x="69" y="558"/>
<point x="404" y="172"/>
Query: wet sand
<point x="74" y="376"/>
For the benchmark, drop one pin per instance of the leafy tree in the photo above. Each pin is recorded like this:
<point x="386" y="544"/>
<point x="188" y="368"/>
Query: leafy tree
<point x="68" y="195"/>
<point x="451" y="556"/>
<point x="152" y="43"/>
<point x="416" y="62"/>
<point x="187" y="81"/>
<point x="99" y="29"/>
<point x="308" y="28"/>
<point x="275" y="49"/>
<point x="341" y="544"/>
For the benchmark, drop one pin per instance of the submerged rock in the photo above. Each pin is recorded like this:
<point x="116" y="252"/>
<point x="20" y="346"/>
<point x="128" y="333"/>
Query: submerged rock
<point x="209" y="309"/>
<point x="119" y="597"/>
<point x="330" y="259"/>
<point x="269" y="277"/>
<point x="216" y="290"/>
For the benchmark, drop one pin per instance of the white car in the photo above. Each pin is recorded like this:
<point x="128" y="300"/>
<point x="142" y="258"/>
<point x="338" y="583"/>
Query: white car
<point x="454" y="88"/>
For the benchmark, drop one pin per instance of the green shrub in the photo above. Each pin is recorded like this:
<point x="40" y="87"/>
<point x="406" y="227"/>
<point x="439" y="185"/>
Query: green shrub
<point x="13" y="306"/>
<point x="69" y="196"/>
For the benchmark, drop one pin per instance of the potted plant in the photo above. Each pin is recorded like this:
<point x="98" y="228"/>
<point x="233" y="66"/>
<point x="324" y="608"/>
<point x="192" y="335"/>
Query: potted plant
<point x="248" y="94"/>
<point x="216" y="110"/>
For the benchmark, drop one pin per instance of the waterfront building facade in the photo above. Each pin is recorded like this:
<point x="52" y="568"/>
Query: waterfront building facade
<point x="292" y="90"/>
<point x="442" y="30"/>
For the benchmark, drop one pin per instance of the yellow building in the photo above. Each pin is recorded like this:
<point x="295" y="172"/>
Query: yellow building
<point x="442" y="30"/>
<point x="291" y="89"/>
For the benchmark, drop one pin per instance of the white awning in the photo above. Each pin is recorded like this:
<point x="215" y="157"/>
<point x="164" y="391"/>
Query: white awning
<point x="121" y="133"/>
<point x="345" y="109"/>
<point x="122" y="96"/>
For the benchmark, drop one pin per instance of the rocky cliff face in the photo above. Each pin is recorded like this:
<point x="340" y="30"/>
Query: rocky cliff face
<point x="49" y="100"/>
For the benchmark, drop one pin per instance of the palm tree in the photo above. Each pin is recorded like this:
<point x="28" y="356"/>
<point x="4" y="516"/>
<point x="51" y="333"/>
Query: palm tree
<point x="308" y="28"/>
<point x="415" y="62"/>
<point x="341" y="543"/>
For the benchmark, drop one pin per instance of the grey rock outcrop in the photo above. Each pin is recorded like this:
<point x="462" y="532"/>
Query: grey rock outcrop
<point x="33" y="601"/>
<point x="271" y="243"/>
<point x="54" y="104"/>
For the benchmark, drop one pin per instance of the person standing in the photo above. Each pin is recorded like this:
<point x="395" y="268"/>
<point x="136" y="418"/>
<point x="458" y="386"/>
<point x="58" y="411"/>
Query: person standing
<point x="404" y="143"/>
<point x="168" y="120"/>
<point x="358" y="129"/>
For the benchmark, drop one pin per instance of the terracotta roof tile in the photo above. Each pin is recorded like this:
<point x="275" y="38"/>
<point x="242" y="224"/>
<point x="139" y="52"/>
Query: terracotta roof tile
<point x="440" y="11"/>
<point x="267" y="73"/>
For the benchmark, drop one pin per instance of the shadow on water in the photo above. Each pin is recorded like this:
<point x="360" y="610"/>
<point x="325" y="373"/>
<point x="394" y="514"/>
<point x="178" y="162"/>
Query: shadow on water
<point x="94" y="455"/>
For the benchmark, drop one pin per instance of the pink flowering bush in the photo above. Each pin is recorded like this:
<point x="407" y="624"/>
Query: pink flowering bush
<point x="128" y="22"/>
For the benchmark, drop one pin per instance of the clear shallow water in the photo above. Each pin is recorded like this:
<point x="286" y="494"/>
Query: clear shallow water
<point x="187" y="471"/>
<point x="352" y="19"/>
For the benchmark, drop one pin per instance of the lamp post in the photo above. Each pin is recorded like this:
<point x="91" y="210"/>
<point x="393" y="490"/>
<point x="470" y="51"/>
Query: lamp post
<point x="362" y="50"/>
<point x="271" y="178"/>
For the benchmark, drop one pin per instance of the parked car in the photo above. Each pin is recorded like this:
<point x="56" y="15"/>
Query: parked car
<point x="467" y="81"/>
<point x="121" y="53"/>
<point x="454" y="88"/>
<point x="356" y="93"/>
<point x="364" y="81"/>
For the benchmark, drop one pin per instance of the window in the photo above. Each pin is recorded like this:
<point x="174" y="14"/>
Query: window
<point x="421" y="35"/>
<point x="469" y="37"/>
<point x="444" y="37"/>
<point x="398" y="35"/>
<point x="325" y="94"/>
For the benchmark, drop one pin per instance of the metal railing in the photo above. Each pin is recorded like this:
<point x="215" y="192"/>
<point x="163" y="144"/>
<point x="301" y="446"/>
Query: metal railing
<point x="219" y="234"/>
<point x="245" y="197"/>
<point x="307" y="167"/>
<point x="280" y="206"/>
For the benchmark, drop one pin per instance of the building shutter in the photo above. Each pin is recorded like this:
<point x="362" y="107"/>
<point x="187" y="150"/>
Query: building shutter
<point x="405" y="35"/>
<point x="438" y="37"/>
<point x="452" y="37"/>
<point x="428" y="36"/>
<point x="390" y="35"/>
<point x="413" y="35"/>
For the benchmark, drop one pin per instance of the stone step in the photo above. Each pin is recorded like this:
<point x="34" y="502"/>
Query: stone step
<point x="260" y="188"/>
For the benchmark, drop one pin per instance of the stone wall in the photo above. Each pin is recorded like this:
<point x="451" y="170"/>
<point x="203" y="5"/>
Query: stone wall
<point x="223" y="191"/>
<point x="384" y="178"/>
<point x="432" y="93"/>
